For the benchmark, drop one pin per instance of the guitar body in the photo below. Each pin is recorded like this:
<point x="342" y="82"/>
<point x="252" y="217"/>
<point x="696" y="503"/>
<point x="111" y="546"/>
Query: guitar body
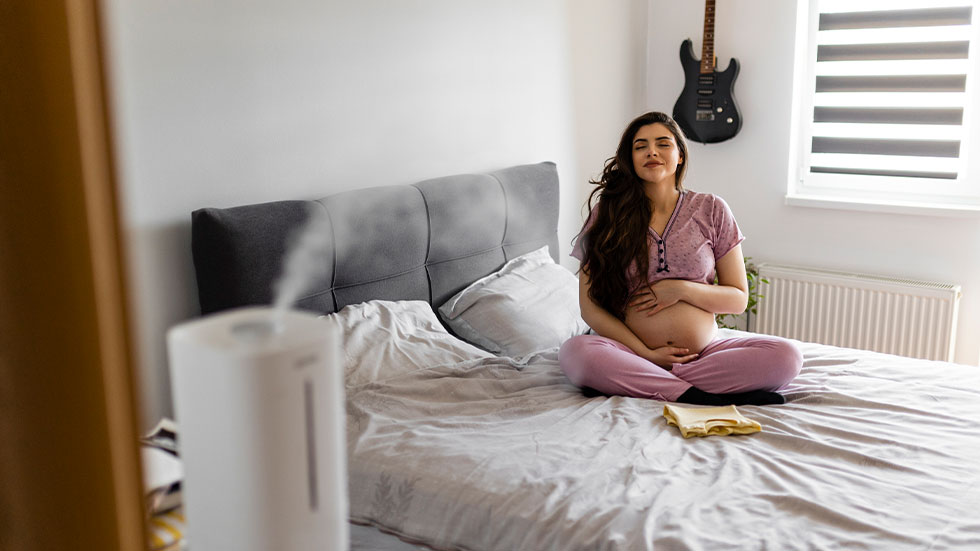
<point x="706" y="108"/>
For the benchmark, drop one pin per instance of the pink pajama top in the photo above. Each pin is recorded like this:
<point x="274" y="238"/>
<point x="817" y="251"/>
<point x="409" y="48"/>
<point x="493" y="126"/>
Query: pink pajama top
<point x="699" y="232"/>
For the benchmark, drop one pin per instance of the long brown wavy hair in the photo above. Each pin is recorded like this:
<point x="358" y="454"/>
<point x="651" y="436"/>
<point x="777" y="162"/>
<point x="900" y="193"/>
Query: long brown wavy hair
<point x="617" y="238"/>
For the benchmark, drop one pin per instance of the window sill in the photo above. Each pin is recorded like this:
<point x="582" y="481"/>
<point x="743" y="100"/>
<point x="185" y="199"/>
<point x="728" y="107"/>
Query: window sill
<point x="896" y="207"/>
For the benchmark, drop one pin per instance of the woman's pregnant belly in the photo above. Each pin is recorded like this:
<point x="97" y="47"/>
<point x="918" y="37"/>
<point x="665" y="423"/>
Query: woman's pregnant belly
<point x="682" y="325"/>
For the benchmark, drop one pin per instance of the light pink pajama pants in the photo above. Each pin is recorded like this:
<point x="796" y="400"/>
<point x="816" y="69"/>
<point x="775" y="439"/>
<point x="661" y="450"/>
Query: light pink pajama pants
<point x="724" y="366"/>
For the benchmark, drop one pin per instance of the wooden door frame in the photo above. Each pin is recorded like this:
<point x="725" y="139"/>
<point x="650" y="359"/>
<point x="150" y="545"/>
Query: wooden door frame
<point x="70" y="475"/>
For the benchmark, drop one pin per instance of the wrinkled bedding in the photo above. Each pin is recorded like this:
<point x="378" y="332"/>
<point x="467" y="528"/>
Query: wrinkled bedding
<point x="458" y="449"/>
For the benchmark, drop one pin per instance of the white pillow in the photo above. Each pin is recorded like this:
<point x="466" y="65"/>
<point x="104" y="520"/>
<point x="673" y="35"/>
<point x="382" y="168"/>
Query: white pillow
<point x="530" y="304"/>
<point x="383" y="339"/>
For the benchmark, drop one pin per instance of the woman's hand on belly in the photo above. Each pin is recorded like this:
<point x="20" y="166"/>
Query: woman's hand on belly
<point x="667" y="356"/>
<point x="659" y="296"/>
<point x="680" y="325"/>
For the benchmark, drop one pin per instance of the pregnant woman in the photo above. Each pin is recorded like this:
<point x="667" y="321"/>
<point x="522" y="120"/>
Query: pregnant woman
<point x="649" y="251"/>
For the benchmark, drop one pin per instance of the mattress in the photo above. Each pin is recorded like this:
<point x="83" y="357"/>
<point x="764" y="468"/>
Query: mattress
<point x="455" y="448"/>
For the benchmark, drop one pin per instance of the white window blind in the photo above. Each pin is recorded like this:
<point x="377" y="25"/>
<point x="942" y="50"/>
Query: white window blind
<point x="889" y="95"/>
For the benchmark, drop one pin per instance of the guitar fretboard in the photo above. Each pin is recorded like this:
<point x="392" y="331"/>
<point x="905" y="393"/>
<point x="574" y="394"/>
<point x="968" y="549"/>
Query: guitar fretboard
<point x="708" y="48"/>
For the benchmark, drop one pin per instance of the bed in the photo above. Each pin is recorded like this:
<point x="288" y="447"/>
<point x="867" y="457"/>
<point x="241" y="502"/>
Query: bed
<point x="463" y="433"/>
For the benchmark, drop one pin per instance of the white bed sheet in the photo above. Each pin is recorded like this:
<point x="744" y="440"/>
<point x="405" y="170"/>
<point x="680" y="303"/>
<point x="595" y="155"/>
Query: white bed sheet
<point x="484" y="453"/>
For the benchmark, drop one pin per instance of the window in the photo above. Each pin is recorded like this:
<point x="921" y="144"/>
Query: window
<point x="887" y="109"/>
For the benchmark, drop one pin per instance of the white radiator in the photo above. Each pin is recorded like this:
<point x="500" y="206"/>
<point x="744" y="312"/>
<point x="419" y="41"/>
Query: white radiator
<point x="884" y="314"/>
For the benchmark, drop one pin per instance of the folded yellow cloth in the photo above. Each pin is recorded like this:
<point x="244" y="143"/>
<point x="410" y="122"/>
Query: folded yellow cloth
<point x="167" y="530"/>
<point x="709" y="421"/>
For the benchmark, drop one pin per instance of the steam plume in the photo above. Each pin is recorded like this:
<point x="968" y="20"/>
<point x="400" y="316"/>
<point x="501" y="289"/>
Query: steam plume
<point x="306" y="257"/>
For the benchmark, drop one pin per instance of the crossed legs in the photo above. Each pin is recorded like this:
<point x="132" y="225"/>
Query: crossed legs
<point x="744" y="369"/>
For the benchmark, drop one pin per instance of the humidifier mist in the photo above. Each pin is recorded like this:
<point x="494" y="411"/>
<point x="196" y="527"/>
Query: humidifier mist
<point x="304" y="261"/>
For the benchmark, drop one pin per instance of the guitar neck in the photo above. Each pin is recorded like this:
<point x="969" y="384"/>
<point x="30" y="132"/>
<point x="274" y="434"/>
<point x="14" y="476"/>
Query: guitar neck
<point x="708" y="46"/>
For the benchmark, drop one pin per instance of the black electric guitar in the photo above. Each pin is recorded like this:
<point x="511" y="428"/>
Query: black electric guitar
<point x="706" y="109"/>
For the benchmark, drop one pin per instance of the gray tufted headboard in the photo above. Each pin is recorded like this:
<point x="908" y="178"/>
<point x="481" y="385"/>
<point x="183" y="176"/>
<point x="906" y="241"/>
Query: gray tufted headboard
<point x="424" y="241"/>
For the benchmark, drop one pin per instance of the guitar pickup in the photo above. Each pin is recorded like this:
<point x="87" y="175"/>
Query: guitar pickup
<point x="705" y="104"/>
<point x="704" y="115"/>
<point x="707" y="80"/>
<point x="705" y="91"/>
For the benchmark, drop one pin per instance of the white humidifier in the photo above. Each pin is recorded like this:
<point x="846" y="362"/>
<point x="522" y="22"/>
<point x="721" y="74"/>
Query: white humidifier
<point x="259" y="403"/>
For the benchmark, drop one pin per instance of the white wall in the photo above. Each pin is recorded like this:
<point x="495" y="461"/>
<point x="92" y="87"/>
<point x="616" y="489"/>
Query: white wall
<point x="750" y="171"/>
<point x="228" y="102"/>
<point x="607" y="45"/>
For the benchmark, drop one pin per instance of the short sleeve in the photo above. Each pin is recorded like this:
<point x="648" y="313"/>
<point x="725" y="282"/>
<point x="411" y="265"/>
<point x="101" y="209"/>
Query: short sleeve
<point x="578" y="250"/>
<point x="727" y="234"/>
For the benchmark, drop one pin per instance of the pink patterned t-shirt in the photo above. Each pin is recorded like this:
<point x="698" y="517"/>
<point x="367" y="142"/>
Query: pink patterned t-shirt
<point x="700" y="231"/>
